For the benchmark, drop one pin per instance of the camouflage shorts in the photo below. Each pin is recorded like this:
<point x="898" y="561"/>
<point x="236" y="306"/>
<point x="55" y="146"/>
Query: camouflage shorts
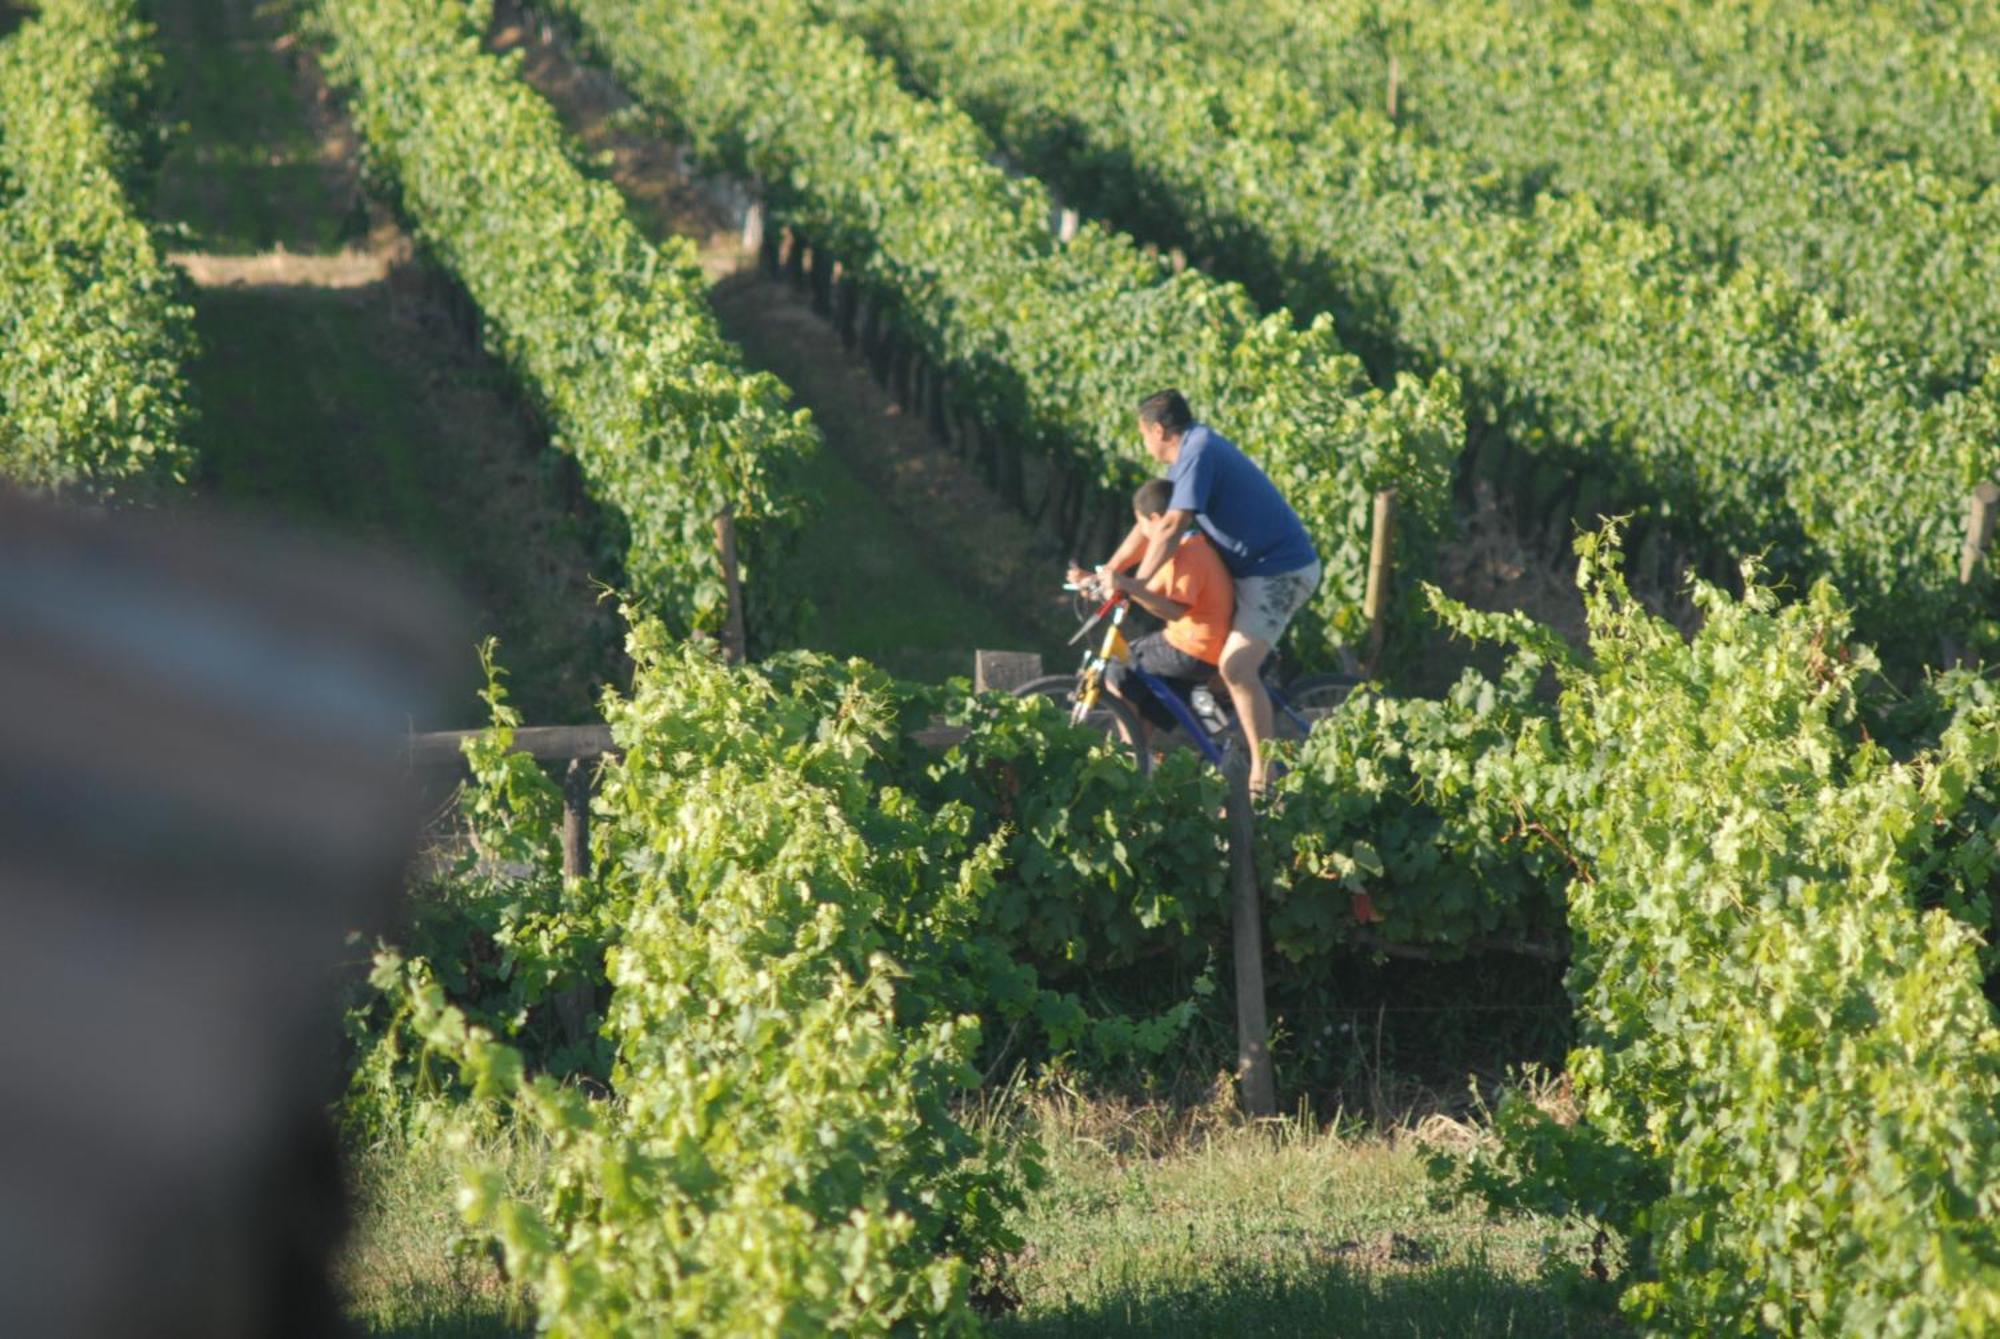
<point x="1265" y="605"/>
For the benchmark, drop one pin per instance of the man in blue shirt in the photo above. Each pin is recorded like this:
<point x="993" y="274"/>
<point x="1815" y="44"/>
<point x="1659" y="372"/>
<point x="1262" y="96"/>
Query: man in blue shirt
<point x="1261" y="539"/>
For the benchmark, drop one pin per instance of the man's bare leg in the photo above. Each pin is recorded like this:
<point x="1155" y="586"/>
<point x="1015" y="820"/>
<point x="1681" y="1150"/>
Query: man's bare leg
<point x="1242" y="657"/>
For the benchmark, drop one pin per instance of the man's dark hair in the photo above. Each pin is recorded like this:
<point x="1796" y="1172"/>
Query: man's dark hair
<point x="1152" y="497"/>
<point x="1169" y="409"/>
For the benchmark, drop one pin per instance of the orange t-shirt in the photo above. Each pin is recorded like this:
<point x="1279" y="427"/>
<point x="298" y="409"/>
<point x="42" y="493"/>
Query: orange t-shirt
<point x="1195" y="577"/>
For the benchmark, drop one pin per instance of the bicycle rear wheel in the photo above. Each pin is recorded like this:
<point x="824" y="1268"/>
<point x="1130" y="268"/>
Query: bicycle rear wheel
<point x="1311" y="694"/>
<point x="1110" y="717"/>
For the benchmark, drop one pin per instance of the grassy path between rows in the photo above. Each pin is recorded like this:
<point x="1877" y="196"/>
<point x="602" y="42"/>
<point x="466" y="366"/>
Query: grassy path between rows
<point x="334" y="393"/>
<point x="1153" y="1221"/>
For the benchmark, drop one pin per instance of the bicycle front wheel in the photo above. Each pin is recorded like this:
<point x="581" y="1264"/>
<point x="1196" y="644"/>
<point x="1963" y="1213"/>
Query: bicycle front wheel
<point x="1110" y="717"/>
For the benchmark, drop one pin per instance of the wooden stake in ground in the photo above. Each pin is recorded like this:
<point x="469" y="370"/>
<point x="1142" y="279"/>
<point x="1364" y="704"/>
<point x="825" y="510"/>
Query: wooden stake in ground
<point x="1256" y="1085"/>
<point x="1381" y="550"/>
<point x="1979" y="515"/>
<point x="573" y="1005"/>
<point x="576" y="819"/>
<point x="735" y="643"/>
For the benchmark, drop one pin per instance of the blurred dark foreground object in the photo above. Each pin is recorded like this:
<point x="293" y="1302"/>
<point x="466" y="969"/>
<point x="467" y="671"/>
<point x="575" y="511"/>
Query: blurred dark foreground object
<point x="202" y="792"/>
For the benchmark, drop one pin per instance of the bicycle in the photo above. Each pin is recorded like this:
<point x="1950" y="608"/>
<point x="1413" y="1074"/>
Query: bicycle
<point x="1209" y="720"/>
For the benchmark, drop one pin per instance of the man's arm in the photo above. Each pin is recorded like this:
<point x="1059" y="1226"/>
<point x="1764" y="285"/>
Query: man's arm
<point x="1134" y="548"/>
<point x="1130" y="549"/>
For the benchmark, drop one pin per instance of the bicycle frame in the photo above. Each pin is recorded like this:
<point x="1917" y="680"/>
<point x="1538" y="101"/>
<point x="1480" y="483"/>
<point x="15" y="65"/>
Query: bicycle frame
<point x="1090" y="681"/>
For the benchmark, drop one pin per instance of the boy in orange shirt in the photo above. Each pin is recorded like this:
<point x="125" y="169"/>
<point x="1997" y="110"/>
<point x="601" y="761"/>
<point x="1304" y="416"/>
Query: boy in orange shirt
<point x="1193" y="592"/>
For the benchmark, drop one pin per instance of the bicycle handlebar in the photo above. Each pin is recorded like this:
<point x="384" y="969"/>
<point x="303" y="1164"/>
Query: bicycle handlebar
<point x="1116" y="598"/>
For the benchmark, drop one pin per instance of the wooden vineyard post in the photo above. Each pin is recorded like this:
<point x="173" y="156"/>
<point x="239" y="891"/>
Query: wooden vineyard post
<point x="576" y="820"/>
<point x="1381" y="550"/>
<point x="1395" y="79"/>
<point x="792" y="257"/>
<point x="1067" y="223"/>
<point x="769" y="259"/>
<point x="573" y="1005"/>
<point x="1979" y="519"/>
<point x="734" y="640"/>
<point x="1004" y="671"/>
<point x="753" y="230"/>
<point x="938" y="408"/>
<point x="1256" y="1085"/>
<point x="1979" y="515"/>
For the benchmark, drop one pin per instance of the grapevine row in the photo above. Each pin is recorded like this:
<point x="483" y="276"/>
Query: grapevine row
<point x="794" y="922"/>
<point x="1907" y="82"/>
<point x="1743" y="864"/>
<point x="802" y="928"/>
<point x="1533" y="98"/>
<point x="1788" y="1070"/>
<point x="611" y="335"/>
<point x="93" y="332"/>
<point x="1737" y="405"/>
<point x="1048" y="342"/>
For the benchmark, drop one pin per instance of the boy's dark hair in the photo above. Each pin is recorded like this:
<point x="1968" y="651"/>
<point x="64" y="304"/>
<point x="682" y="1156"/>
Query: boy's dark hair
<point x="1169" y="409"/>
<point x="1151" y="497"/>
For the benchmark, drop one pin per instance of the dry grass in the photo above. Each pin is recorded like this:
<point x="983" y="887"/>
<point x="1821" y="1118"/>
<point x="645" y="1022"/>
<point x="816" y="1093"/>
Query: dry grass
<point x="1153" y="1217"/>
<point x="351" y="268"/>
<point x="409" y="1270"/>
<point x="1184" y="1218"/>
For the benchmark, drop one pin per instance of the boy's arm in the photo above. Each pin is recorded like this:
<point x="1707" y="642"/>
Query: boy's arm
<point x="1151" y="601"/>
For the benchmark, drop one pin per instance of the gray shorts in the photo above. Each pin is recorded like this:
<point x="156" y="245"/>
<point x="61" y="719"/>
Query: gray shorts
<point x="1265" y="605"/>
<point x="1152" y="654"/>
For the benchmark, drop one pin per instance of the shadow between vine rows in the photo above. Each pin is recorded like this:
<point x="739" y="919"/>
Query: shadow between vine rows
<point x="335" y="391"/>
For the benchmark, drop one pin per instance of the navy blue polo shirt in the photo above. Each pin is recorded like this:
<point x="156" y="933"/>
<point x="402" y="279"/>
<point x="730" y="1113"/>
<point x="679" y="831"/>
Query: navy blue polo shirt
<point x="1238" y="507"/>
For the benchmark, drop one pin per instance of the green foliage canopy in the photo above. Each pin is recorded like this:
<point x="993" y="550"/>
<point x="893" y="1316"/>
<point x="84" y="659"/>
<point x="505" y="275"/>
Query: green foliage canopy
<point x="94" y="333"/>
